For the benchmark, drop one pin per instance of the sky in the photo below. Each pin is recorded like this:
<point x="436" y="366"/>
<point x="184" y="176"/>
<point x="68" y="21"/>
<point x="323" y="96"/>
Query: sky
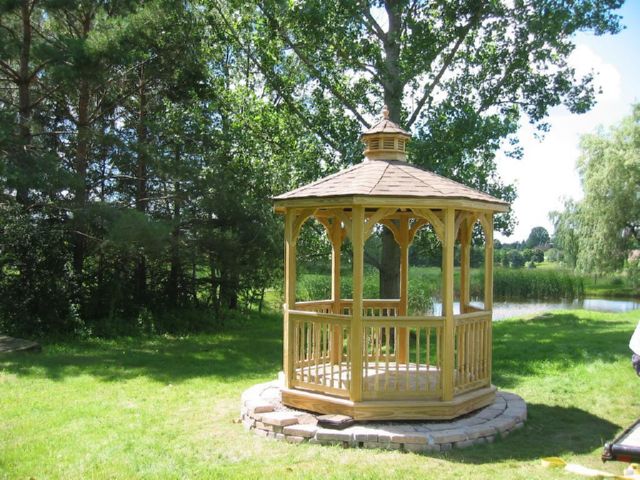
<point x="547" y="173"/>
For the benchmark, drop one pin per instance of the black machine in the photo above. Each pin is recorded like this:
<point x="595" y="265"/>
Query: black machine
<point x="626" y="447"/>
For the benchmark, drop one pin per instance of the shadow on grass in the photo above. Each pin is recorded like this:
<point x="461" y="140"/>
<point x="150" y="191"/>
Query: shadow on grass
<point x="549" y="431"/>
<point x="558" y="340"/>
<point x="250" y="350"/>
<point x="254" y="349"/>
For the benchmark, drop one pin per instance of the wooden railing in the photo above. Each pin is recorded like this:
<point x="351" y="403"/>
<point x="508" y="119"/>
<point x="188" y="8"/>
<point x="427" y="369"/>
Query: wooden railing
<point x="321" y="349"/>
<point x="373" y="308"/>
<point x="386" y="378"/>
<point x="321" y="352"/>
<point x="473" y="350"/>
<point x="319" y="306"/>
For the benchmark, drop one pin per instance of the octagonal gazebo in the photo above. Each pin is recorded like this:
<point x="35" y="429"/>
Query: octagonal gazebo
<point x="367" y="358"/>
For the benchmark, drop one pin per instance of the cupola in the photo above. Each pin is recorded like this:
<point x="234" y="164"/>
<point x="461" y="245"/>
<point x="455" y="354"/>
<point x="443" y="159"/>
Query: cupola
<point x="385" y="140"/>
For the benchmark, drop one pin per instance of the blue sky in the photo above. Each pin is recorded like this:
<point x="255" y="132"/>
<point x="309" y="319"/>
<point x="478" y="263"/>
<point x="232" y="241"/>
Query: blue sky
<point x="547" y="173"/>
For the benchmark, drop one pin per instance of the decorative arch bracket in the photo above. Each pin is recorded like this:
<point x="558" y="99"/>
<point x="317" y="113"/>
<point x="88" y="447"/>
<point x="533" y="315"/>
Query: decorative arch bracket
<point x="377" y="217"/>
<point x="433" y="218"/>
<point x="299" y="217"/>
<point x="464" y="225"/>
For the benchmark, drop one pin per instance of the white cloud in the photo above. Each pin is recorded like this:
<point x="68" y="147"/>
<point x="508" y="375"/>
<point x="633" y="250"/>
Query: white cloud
<point x="607" y="77"/>
<point x="547" y="173"/>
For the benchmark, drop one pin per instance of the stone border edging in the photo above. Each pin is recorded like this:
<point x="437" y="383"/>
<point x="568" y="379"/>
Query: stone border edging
<point x="263" y="412"/>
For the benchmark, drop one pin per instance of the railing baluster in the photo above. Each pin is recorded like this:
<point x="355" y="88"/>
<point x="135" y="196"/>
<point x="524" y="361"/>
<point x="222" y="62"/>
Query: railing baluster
<point x="418" y="362"/>
<point x="365" y="380"/>
<point x="301" y="351"/>
<point x="387" y="348"/>
<point x="324" y="335"/>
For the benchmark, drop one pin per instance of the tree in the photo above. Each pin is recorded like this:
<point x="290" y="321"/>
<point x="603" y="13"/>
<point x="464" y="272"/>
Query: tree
<point x="538" y="255"/>
<point x="566" y="232"/>
<point x="539" y="237"/>
<point x="609" y="215"/>
<point x="460" y="74"/>
<point x="165" y="147"/>
<point x="516" y="259"/>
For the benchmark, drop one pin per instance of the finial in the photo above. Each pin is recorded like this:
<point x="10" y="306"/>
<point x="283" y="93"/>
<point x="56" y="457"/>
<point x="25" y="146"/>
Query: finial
<point x="385" y="112"/>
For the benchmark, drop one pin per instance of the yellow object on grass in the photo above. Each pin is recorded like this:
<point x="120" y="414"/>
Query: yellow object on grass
<point x="557" y="462"/>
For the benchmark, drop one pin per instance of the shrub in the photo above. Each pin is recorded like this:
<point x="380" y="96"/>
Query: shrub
<point x="421" y="292"/>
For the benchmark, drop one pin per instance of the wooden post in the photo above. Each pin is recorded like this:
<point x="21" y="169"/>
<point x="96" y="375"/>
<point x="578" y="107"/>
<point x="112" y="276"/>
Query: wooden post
<point x="488" y="286"/>
<point x="336" y="248"/>
<point x="357" y="239"/>
<point x="289" y="294"/>
<point x="488" y="262"/>
<point x="448" y="353"/>
<point x="403" y="333"/>
<point x="465" y="265"/>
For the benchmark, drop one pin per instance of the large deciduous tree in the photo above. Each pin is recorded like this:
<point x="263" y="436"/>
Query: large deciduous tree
<point x="538" y="237"/>
<point x="609" y="214"/>
<point x="460" y="74"/>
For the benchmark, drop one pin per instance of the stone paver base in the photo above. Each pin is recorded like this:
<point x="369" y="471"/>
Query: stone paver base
<point x="263" y="412"/>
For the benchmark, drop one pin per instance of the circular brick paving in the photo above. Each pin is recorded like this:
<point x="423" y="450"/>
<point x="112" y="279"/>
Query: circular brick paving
<point x="263" y="412"/>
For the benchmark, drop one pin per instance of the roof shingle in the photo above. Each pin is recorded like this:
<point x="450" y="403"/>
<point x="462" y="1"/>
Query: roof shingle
<point x="391" y="178"/>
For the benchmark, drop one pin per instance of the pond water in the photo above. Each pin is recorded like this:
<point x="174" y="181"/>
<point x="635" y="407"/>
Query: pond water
<point x="502" y="310"/>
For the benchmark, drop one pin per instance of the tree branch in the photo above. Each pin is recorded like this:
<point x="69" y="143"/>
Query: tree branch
<point x="39" y="68"/>
<point x="6" y="68"/>
<point x="445" y="66"/>
<point x="11" y="31"/>
<point x="374" y="27"/>
<point x="275" y="80"/>
<point x="491" y="99"/>
<point x="311" y="66"/>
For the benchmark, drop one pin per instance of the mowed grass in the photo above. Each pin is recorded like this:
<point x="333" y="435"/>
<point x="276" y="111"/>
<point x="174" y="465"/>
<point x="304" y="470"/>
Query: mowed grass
<point x="164" y="407"/>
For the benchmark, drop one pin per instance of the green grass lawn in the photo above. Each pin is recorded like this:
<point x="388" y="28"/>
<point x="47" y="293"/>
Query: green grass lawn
<point x="164" y="407"/>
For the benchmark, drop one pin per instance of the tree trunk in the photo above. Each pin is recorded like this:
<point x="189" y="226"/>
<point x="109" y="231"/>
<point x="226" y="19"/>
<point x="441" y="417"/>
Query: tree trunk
<point x="390" y="263"/>
<point x="24" y="106"/>
<point x="173" y="284"/>
<point x="229" y="291"/>
<point x="389" y="267"/>
<point x="80" y="190"/>
<point x="141" y="199"/>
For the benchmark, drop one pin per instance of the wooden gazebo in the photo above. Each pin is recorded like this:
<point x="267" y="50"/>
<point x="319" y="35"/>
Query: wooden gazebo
<point x="367" y="358"/>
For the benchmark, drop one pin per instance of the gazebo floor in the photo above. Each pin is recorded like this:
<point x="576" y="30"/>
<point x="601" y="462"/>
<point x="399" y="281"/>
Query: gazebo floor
<point x="421" y="380"/>
<point x="390" y="392"/>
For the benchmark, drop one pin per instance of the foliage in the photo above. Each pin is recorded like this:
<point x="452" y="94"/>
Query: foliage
<point x="538" y="255"/>
<point x="566" y="232"/>
<point x="139" y="137"/>
<point x="37" y="287"/>
<point x="141" y="142"/>
<point x="461" y="75"/>
<point x="633" y="272"/>
<point x="539" y="237"/>
<point x="516" y="259"/>
<point x="423" y="287"/>
<point x="597" y="234"/>
<point x="609" y="168"/>
<point x="552" y="255"/>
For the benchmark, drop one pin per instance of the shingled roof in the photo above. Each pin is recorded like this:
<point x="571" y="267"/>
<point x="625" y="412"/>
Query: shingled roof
<point x="388" y="178"/>
<point x="385" y="173"/>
